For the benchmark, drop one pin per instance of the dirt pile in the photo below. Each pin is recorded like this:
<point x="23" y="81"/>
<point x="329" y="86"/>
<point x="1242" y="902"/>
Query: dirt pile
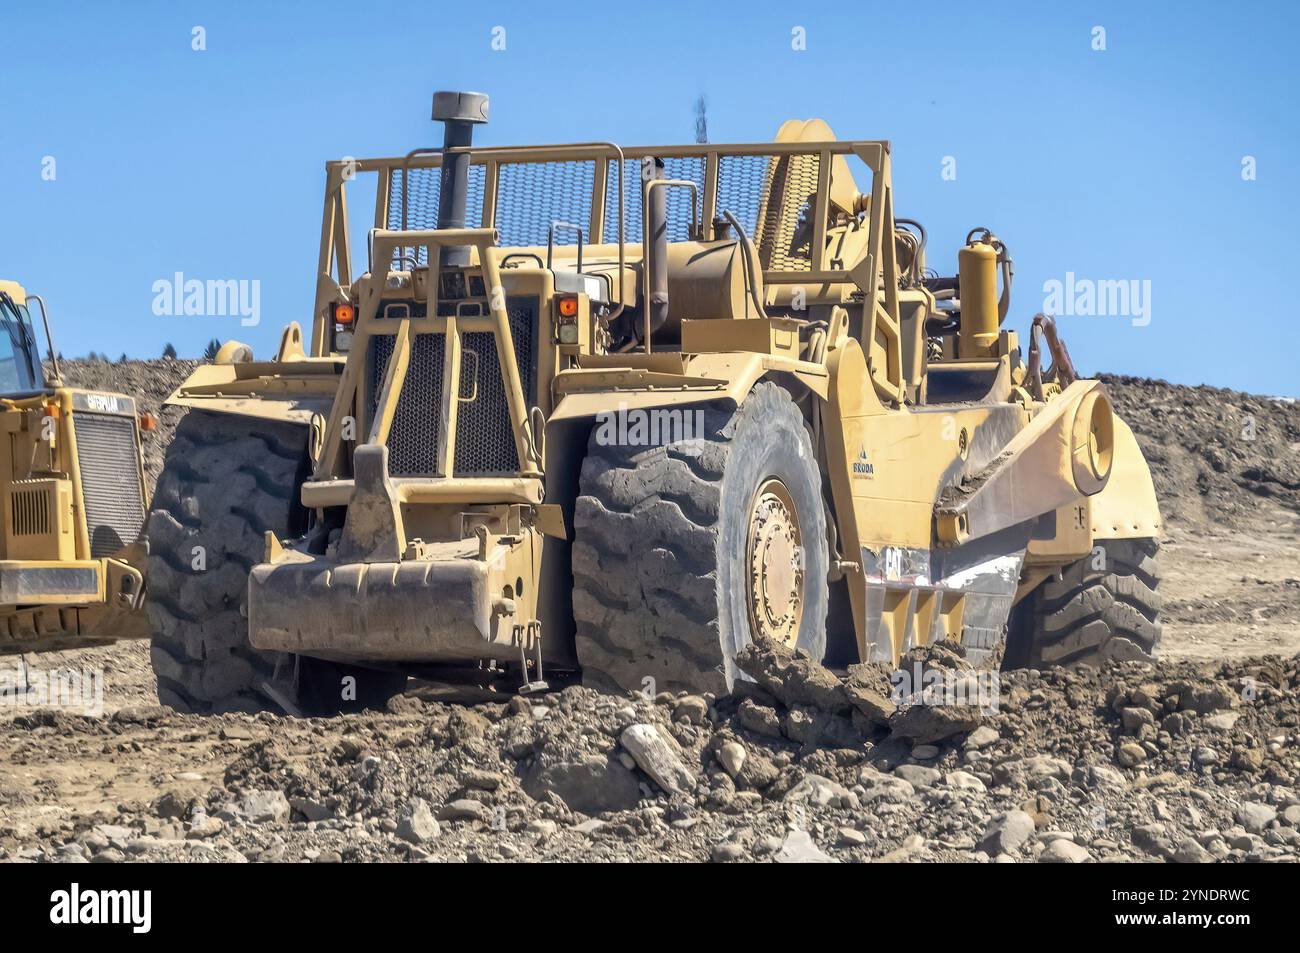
<point x="1166" y="761"/>
<point x="1180" y="760"/>
<point x="1216" y="453"/>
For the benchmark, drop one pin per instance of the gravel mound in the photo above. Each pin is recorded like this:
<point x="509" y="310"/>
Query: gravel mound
<point x="1134" y="761"/>
<point x="937" y="761"/>
<point x="1216" y="453"/>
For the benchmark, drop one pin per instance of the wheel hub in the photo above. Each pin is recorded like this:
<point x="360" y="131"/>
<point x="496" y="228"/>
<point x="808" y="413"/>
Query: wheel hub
<point x="774" y="553"/>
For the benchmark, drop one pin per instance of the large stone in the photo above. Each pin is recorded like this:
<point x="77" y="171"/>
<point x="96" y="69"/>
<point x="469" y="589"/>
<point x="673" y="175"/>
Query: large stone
<point x="310" y="808"/>
<point x="657" y="758"/>
<point x="203" y="826"/>
<point x="1104" y="777"/>
<point x="1153" y="838"/>
<point x="1255" y="816"/>
<point x="692" y="709"/>
<point x="464" y="809"/>
<point x="1135" y="718"/>
<point x="800" y="724"/>
<point x="1064" y="851"/>
<point x="963" y="781"/>
<point x="868" y="692"/>
<point x="884" y="787"/>
<point x="262" y="807"/>
<point x="1222" y="720"/>
<point x="924" y="724"/>
<point x="918" y="775"/>
<point x="727" y="852"/>
<point x="851" y="837"/>
<point x="818" y="791"/>
<point x="1131" y="754"/>
<point x="758" y="771"/>
<point x="1045" y="766"/>
<point x="799" y="848"/>
<point x="1189" y="851"/>
<point x="417" y="824"/>
<point x="589" y="784"/>
<point x="1204" y="698"/>
<point x="172" y="805"/>
<point x="792" y="677"/>
<point x="732" y="758"/>
<point x="760" y="719"/>
<point x="1006" y="833"/>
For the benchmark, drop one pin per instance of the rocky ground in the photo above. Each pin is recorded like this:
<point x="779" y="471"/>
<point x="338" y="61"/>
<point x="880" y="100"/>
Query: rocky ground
<point x="1195" y="758"/>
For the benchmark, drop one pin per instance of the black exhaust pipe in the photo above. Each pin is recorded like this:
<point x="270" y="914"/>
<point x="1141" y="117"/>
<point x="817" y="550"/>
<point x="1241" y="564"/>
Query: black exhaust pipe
<point x="459" y="113"/>
<point x="656" y="249"/>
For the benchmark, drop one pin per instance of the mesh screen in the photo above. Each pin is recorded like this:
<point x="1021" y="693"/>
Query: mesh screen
<point x="485" y="435"/>
<point x="485" y="442"/>
<point x="413" y="439"/>
<point x="742" y="182"/>
<point x="678" y="200"/>
<point x="110" y="482"/>
<point x="784" y="233"/>
<point x="532" y="195"/>
<point x="422" y="201"/>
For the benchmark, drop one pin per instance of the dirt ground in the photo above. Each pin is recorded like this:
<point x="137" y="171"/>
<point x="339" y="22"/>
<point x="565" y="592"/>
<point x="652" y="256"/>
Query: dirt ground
<point x="1192" y="759"/>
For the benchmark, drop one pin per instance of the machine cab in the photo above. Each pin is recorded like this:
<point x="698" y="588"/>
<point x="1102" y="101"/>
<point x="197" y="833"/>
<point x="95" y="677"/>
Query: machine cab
<point x="20" y="359"/>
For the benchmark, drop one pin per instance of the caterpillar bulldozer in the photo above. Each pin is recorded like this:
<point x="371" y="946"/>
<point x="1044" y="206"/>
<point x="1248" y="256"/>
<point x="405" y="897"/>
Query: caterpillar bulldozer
<point x="610" y="413"/>
<point x="72" y="479"/>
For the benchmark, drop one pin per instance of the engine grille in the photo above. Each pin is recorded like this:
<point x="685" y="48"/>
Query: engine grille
<point x="485" y="436"/>
<point x="413" y="439"/>
<point x="29" y="508"/>
<point x="110" y="480"/>
<point x="485" y="441"/>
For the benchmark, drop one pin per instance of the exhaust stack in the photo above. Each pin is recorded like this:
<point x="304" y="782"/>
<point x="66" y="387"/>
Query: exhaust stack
<point x="656" y="250"/>
<point x="459" y="113"/>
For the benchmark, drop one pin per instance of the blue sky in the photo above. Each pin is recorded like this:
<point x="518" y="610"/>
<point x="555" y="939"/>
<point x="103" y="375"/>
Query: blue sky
<point x="1122" y="164"/>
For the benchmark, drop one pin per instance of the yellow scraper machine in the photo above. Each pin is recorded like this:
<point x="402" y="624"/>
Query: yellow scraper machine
<point x="614" y="412"/>
<point x="72" y="481"/>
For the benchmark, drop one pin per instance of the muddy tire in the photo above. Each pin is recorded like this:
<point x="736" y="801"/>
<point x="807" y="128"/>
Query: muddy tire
<point x="662" y="550"/>
<point x="1090" y="614"/>
<point x="225" y="482"/>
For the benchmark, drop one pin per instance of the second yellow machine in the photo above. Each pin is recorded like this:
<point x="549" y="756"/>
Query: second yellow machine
<point x="73" y="498"/>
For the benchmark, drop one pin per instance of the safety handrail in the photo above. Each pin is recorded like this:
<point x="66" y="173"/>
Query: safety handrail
<point x="489" y="152"/>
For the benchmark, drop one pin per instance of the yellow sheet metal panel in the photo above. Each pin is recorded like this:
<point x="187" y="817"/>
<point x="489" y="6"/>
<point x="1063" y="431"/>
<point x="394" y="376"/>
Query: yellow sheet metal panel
<point x="14" y="290"/>
<point x="38" y="519"/>
<point x="31" y="582"/>
<point x="778" y="336"/>
<point x="1127" y="508"/>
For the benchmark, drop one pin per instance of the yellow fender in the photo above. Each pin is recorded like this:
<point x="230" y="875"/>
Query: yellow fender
<point x="1127" y="508"/>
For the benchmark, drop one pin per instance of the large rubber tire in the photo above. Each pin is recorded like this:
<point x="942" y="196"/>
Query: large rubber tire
<point x="1105" y="606"/>
<point x="225" y="482"/>
<point x="659" y="547"/>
